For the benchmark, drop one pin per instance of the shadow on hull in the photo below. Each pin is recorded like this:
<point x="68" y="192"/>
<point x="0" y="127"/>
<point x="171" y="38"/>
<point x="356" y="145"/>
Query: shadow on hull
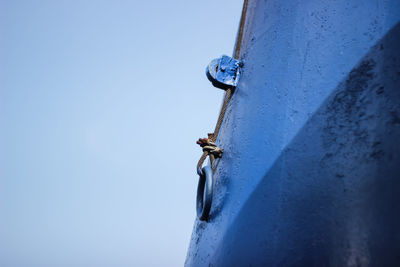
<point x="332" y="197"/>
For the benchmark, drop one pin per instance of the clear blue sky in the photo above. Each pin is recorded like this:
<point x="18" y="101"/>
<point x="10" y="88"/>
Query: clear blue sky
<point x="101" y="103"/>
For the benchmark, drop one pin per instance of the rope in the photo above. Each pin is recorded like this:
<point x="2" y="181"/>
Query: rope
<point x="208" y="144"/>
<point x="210" y="147"/>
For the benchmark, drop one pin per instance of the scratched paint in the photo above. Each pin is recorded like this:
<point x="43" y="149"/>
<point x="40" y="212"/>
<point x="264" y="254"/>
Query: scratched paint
<point x="310" y="174"/>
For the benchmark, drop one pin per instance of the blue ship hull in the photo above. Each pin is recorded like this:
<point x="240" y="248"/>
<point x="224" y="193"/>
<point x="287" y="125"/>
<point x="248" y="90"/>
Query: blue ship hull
<point x="310" y="174"/>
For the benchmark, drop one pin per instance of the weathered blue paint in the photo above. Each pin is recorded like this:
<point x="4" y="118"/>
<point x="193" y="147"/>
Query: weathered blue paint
<point x="310" y="174"/>
<point x="224" y="72"/>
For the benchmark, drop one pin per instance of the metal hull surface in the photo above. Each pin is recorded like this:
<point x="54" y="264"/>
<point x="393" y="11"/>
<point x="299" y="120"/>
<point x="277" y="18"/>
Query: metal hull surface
<point x="310" y="174"/>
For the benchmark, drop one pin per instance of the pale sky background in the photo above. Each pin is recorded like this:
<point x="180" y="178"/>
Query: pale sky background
<point x="101" y="103"/>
